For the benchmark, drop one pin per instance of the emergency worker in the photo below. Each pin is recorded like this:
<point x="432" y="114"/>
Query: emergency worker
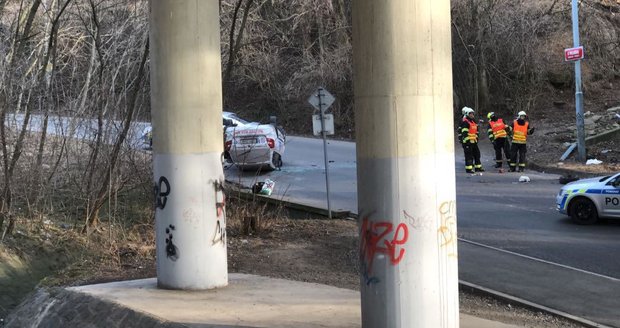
<point x="468" y="136"/>
<point x="520" y="130"/>
<point x="498" y="134"/>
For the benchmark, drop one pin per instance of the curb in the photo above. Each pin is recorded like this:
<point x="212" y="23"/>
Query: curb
<point x="473" y="288"/>
<point x="561" y="171"/>
<point x="244" y="193"/>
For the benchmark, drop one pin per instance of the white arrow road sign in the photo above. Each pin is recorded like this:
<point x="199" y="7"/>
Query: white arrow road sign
<point x="321" y="99"/>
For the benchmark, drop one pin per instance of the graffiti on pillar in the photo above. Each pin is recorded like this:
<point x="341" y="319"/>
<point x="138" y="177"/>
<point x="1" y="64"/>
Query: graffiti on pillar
<point x="220" y="234"/>
<point x="418" y="223"/>
<point x="219" y="237"/>
<point x="172" y="252"/>
<point x="368" y="279"/>
<point x="162" y="191"/>
<point x="381" y="237"/>
<point x="191" y="216"/>
<point x="447" y="228"/>
<point x="220" y="200"/>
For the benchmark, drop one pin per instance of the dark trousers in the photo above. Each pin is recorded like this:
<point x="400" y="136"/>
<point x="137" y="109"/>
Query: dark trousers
<point x="518" y="155"/>
<point x="501" y="145"/>
<point x="472" y="156"/>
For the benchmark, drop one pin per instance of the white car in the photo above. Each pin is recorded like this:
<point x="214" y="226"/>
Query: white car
<point x="588" y="199"/>
<point x="233" y="119"/>
<point x="147" y="139"/>
<point x="253" y="145"/>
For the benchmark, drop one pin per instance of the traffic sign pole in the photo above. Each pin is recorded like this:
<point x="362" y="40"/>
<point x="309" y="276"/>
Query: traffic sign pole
<point x="581" y="135"/>
<point x="324" y="134"/>
<point x="321" y="100"/>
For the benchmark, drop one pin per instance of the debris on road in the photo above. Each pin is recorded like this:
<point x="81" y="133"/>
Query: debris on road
<point x="593" y="161"/>
<point x="263" y="188"/>
<point x="568" y="178"/>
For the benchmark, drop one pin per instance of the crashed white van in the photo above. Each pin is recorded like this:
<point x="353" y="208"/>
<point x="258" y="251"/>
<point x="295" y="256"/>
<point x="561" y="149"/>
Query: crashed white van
<point x="254" y="145"/>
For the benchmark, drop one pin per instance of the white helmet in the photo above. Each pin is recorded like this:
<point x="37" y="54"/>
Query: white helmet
<point x="466" y="111"/>
<point x="522" y="113"/>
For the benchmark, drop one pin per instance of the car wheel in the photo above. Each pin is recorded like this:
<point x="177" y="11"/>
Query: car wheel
<point x="276" y="161"/>
<point x="583" y="211"/>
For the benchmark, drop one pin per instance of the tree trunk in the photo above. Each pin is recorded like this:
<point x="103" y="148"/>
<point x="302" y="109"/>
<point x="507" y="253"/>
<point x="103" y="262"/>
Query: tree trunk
<point x="92" y="162"/>
<point x="18" y="42"/>
<point x="483" y="85"/>
<point x="29" y="103"/>
<point x="99" y="201"/>
<point x="231" y="43"/>
<point x="2" y="4"/>
<point x="344" y="21"/>
<point x="51" y="49"/>
<point x="234" y="48"/>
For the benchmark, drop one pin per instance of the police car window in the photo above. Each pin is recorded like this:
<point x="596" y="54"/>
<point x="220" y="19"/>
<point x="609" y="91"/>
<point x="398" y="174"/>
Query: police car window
<point x="604" y="178"/>
<point x="615" y="181"/>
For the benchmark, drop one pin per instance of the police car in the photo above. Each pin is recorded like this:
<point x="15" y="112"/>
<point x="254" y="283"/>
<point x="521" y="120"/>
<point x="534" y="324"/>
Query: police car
<point x="589" y="199"/>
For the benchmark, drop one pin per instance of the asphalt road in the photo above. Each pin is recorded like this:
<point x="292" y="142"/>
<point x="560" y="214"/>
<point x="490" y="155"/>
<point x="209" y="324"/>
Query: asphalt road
<point x="493" y="209"/>
<point x="514" y="225"/>
<point x="496" y="210"/>
<point x="302" y="177"/>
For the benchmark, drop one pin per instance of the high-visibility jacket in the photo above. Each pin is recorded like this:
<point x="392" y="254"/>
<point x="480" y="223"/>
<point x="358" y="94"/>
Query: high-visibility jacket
<point x="469" y="131"/>
<point x="498" y="129"/>
<point x="520" y="132"/>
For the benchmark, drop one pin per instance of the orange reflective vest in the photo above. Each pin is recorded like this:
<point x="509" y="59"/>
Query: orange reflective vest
<point x="520" y="132"/>
<point x="472" y="132"/>
<point x="499" y="128"/>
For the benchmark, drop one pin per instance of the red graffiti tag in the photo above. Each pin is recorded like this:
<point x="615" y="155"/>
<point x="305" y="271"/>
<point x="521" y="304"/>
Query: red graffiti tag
<point x="220" y="200"/>
<point x="380" y="237"/>
<point x="221" y="206"/>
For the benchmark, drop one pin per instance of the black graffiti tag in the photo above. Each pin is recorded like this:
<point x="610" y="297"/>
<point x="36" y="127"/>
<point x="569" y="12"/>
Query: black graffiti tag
<point x="172" y="252"/>
<point x="162" y="190"/>
<point x="220" y="234"/>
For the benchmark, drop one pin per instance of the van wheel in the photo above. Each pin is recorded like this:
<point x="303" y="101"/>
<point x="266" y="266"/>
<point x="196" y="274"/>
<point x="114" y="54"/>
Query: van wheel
<point x="276" y="161"/>
<point x="583" y="211"/>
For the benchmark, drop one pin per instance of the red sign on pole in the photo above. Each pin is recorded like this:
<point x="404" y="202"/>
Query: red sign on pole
<point x="572" y="54"/>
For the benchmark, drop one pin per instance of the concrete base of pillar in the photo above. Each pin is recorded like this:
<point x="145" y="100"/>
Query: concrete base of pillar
<point x="248" y="301"/>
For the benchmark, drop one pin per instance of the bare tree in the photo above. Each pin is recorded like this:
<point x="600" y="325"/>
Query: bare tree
<point x="20" y="37"/>
<point x="235" y="42"/>
<point x="56" y="71"/>
<point x="99" y="200"/>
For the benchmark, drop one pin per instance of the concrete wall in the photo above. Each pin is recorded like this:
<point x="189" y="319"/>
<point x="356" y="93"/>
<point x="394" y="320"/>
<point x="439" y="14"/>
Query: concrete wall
<point x="58" y="307"/>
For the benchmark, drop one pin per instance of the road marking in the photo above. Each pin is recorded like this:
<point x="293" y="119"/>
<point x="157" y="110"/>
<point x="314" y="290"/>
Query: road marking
<point x="539" y="260"/>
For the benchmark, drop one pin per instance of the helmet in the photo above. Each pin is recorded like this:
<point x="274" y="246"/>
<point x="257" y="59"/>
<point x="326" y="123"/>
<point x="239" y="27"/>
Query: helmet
<point x="491" y="114"/>
<point x="522" y="113"/>
<point x="467" y="110"/>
